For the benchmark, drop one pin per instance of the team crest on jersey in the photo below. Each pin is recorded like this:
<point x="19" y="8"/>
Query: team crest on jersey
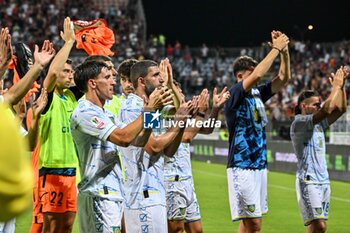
<point x="251" y="208"/>
<point x="116" y="229"/>
<point x="318" y="210"/>
<point x="97" y="122"/>
<point x="256" y="114"/>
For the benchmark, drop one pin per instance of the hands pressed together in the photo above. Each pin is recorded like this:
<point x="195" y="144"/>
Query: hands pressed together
<point x="159" y="98"/>
<point x="280" y="41"/>
<point x="6" y="50"/>
<point x="338" y="79"/>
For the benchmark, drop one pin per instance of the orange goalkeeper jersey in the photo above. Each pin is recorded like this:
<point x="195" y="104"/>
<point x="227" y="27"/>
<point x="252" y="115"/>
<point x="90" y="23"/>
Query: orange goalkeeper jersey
<point x="94" y="37"/>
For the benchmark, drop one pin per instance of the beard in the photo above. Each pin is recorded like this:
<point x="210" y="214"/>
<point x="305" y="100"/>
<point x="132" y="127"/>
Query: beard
<point x="149" y="89"/>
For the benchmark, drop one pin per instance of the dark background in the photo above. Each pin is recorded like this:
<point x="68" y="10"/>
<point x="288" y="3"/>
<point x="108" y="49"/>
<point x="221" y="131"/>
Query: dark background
<point x="246" y="22"/>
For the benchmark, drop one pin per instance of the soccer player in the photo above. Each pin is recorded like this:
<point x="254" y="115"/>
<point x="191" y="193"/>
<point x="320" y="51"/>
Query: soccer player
<point x="96" y="131"/>
<point x="307" y="134"/>
<point x="114" y="104"/>
<point x="58" y="160"/>
<point x="145" y="204"/>
<point x="182" y="205"/>
<point x="123" y="71"/>
<point x="16" y="93"/>
<point x="246" y="121"/>
<point x="31" y="136"/>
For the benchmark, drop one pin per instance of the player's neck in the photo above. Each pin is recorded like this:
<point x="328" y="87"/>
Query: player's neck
<point x="59" y="91"/>
<point x="140" y="92"/>
<point x="93" y="98"/>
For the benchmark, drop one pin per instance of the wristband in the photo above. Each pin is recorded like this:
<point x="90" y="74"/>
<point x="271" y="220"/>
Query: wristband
<point x="277" y="49"/>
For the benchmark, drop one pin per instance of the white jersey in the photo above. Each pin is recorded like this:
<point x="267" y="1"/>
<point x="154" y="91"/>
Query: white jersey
<point x="144" y="184"/>
<point x="310" y="147"/>
<point x="179" y="165"/>
<point x="99" y="162"/>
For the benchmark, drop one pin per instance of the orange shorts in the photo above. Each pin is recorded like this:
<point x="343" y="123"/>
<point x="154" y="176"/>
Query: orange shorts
<point x="37" y="206"/>
<point x="36" y="228"/>
<point x="57" y="193"/>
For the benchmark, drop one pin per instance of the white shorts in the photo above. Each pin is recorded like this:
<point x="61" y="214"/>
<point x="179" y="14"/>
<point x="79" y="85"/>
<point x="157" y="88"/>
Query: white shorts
<point x="247" y="191"/>
<point x="313" y="200"/>
<point x="181" y="201"/>
<point x="8" y="227"/>
<point x="99" y="215"/>
<point x="146" y="220"/>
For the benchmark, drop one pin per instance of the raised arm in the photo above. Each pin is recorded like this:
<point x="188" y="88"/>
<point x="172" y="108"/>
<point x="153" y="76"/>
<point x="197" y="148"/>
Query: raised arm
<point x="124" y="137"/>
<point x="58" y="62"/>
<point x="169" y="141"/>
<point x="185" y="110"/>
<point x="20" y="89"/>
<point x="5" y="51"/>
<point x="284" y="73"/>
<point x="130" y="133"/>
<point x="330" y="108"/>
<point x="218" y="103"/>
<point x="201" y="104"/>
<point x="166" y="71"/>
<point x="277" y="45"/>
<point x="157" y="96"/>
<point x="37" y="107"/>
<point x="339" y="103"/>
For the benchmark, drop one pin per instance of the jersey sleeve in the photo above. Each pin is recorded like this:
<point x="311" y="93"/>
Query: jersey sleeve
<point x="303" y="123"/>
<point x="237" y="93"/>
<point x="130" y="111"/>
<point x="95" y="124"/>
<point x="301" y="128"/>
<point x="265" y="91"/>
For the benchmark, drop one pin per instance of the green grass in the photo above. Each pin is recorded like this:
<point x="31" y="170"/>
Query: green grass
<point x="283" y="216"/>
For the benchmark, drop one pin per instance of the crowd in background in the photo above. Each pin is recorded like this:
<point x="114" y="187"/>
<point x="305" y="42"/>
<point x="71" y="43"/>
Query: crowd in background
<point x="194" y="68"/>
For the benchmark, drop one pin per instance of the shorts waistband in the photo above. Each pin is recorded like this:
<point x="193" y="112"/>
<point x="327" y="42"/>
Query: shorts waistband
<point x="57" y="171"/>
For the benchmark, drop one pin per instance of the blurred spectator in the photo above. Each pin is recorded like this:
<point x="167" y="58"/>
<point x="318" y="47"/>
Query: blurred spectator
<point x="204" y="51"/>
<point x="177" y="49"/>
<point x="194" y="68"/>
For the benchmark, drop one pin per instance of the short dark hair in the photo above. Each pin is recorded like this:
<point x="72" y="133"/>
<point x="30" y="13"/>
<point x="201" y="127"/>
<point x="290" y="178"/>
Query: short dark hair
<point x="124" y="68"/>
<point x="303" y="96"/>
<point x="98" y="58"/>
<point x="85" y="71"/>
<point x="243" y="63"/>
<point x="140" y="69"/>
